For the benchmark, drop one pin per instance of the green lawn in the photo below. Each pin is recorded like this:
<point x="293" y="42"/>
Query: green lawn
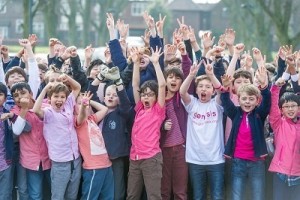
<point x="39" y="49"/>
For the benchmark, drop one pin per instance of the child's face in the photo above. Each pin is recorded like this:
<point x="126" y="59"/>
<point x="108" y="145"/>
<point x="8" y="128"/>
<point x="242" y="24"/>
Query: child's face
<point x="95" y="71"/>
<point x="57" y="100"/>
<point x="148" y="98"/>
<point x="173" y="83"/>
<point x="248" y="102"/>
<point x="239" y="82"/>
<point x="111" y="98"/>
<point x="204" y="90"/>
<point x="2" y="98"/>
<point x="42" y="75"/>
<point x="20" y="94"/>
<point x="144" y="61"/>
<point x="290" y="109"/>
<point x="14" y="78"/>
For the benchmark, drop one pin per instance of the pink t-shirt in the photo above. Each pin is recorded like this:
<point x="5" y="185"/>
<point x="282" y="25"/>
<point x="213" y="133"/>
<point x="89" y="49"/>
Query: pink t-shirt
<point x="60" y="133"/>
<point x="244" y="147"/>
<point x="146" y="131"/>
<point x="91" y="145"/>
<point x="33" y="148"/>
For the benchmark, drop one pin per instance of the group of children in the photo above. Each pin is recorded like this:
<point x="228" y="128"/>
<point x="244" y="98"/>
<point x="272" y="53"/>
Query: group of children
<point x="172" y="120"/>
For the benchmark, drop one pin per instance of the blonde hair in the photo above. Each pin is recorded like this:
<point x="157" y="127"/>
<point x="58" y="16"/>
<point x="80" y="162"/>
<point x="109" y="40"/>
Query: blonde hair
<point x="52" y="69"/>
<point x="249" y="89"/>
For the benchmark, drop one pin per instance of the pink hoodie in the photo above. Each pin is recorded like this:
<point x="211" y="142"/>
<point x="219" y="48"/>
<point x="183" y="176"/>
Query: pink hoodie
<point x="286" y="159"/>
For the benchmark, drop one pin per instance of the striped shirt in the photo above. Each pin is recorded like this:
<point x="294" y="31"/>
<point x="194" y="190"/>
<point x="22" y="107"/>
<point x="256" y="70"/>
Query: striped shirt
<point x="290" y="180"/>
<point x="174" y="136"/>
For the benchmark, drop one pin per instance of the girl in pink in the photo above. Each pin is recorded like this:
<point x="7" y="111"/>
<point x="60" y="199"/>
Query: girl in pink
<point x="285" y="123"/>
<point x="145" y="154"/>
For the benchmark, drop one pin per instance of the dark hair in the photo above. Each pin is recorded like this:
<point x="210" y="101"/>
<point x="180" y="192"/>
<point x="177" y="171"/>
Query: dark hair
<point x="20" y="86"/>
<point x="3" y="89"/>
<point x="175" y="71"/>
<point x="58" y="88"/>
<point x="93" y="64"/>
<point x="152" y="85"/>
<point x="288" y="97"/>
<point x="242" y="73"/>
<point x="13" y="70"/>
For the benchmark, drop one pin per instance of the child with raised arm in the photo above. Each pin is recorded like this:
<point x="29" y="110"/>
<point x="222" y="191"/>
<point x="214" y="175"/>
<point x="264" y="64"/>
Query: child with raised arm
<point x="97" y="173"/>
<point x="246" y="144"/>
<point x="285" y="165"/>
<point x="204" y="142"/>
<point x="61" y="137"/>
<point x="145" y="154"/>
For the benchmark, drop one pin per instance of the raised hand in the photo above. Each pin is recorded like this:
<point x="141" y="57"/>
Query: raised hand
<point x="257" y="55"/>
<point x="222" y="42"/>
<point x="170" y="52"/>
<point x="33" y="39"/>
<point x="69" y="52"/>
<point x="207" y="40"/>
<point x="107" y="55"/>
<point x="146" y="38"/>
<point x="239" y="48"/>
<point x="261" y="76"/>
<point x="209" y="70"/>
<point x="85" y="101"/>
<point x="181" y="48"/>
<point x="192" y="35"/>
<point x="229" y="36"/>
<point x="5" y="116"/>
<point x="195" y="68"/>
<point x="280" y="82"/>
<point x="110" y="22"/>
<point x="24" y="43"/>
<point x="226" y="80"/>
<point x="122" y="28"/>
<point x="155" y="55"/>
<point x="135" y="55"/>
<point x="183" y="28"/>
<point x="160" y="25"/>
<point x="177" y="37"/>
<point x="88" y="52"/>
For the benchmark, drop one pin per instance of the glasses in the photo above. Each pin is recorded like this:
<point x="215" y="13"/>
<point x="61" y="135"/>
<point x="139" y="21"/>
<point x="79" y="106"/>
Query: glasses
<point x="150" y="94"/>
<point x="290" y="107"/>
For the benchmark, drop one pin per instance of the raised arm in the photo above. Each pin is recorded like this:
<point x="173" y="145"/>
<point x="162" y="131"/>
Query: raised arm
<point x="187" y="82"/>
<point x="237" y="50"/>
<point x="37" y="108"/>
<point x="75" y="86"/>
<point x="135" y="56"/>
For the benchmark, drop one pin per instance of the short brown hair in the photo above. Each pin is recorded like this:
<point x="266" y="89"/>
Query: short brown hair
<point x="174" y="70"/>
<point x="242" y="73"/>
<point x="13" y="70"/>
<point x="42" y="67"/>
<point x="201" y="78"/>
<point x="59" y="87"/>
<point x="249" y="89"/>
<point x="52" y="69"/>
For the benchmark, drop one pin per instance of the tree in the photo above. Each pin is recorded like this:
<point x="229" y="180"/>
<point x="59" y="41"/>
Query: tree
<point x="85" y="11"/>
<point x="104" y="6"/>
<point x="50" y="12"/>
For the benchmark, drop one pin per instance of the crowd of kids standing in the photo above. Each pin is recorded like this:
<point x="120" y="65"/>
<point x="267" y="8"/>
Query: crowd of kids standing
<point x="165" y="121"/>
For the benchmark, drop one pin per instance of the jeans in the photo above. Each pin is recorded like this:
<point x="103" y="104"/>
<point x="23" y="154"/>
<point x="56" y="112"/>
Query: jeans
<point x="20" y="171"/>
<point x="254" y="171"/>
<point x="199" y="175"/>
<point x="35" y="182"/>
<point x="281" y="190"/>
<point x="6" y="183"/>
<point x="98" y="184"/>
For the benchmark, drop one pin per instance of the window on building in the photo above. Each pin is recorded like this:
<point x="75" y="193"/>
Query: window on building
<point x="4" y="31"/>
<point x="138" y="8"/>
<point x="38" y="29"/>
<point x="19" y="26"/>
<point x="3" y="6"/>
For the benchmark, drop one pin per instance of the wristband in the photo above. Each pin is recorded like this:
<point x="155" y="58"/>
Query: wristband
<point x="119" y="82"/>
<point x="100" y="79"/>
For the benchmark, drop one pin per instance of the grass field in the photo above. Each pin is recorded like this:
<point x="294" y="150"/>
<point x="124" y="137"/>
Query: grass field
<point x="39" y="49"/>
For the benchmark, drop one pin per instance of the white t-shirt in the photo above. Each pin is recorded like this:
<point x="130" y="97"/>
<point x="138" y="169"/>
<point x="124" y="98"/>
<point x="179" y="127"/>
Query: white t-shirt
<point x="205" y="134"/>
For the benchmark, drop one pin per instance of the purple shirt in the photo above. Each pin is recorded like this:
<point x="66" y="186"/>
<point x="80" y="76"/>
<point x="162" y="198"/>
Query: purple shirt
<point x="3" y="164"/>
<point x="60" y="133"/>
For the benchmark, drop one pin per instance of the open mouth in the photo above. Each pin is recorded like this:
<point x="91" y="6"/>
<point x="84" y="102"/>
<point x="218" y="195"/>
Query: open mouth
<point x="58" y="105"/>
<point x="146" y="104"/>
<point x="142" y="62"/>
<point x="203" y="95"/>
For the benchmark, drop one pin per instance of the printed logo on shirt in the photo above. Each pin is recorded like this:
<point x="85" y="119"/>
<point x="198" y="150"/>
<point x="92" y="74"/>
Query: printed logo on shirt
<point x="204" y="116"/>
<point x="112" y="124"/>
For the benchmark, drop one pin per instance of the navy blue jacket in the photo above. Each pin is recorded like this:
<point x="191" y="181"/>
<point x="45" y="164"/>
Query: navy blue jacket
<point x="256" y="121"/>
<point x="8" y="139"/>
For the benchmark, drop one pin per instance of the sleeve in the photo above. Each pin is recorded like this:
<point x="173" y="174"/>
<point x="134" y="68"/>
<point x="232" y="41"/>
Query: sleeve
<point x="117" y="56"/>
<point x="126" y="74"/>
<point x="125" y="104"/>
<point x="2" y="79"/>
<point x="275" y="113"/>
<point x="14" y="62"/>
<point x="33" y="79"/>
<point x="265" y="105"/>
<point x="280" y="69"/>
<point x="138" y="107"/>
<point x="78" y="73"/>
<point x="229" y="108"/>
<point x="21" y="126"/>
<point x="189" y="107"/>
<point x="156" y="42"/>
<point x="189" y="49"/>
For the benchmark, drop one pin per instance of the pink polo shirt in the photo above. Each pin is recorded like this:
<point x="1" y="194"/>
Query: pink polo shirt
<point x="146" y="131"/>
<point x="60" y="133"/>
<point x="33" y="148"/>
